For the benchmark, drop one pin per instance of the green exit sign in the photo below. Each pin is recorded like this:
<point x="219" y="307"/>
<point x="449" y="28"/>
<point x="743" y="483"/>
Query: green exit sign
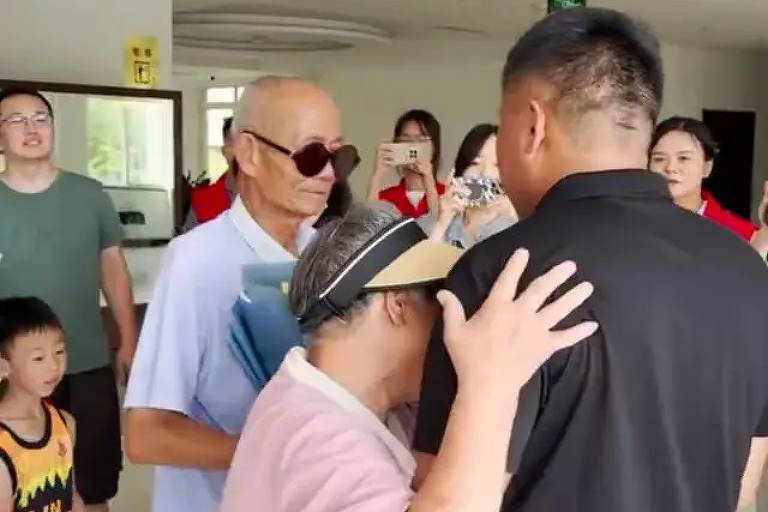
<point x="557" y="5"/>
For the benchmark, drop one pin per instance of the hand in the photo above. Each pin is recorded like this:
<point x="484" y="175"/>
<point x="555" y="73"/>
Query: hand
<point x="451" y="203"/>
<point x="383" y="159"/>
<point x="423" y="169"/>
<point x="508" y="339"/>
<point x="124" y="361"/>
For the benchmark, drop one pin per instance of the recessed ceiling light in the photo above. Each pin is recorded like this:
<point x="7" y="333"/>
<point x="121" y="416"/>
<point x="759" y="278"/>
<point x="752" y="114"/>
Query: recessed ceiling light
<point x="248" y="32"/>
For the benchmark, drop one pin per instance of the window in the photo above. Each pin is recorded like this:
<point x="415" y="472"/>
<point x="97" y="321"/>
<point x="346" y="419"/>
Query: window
<point x="219" y="105"/>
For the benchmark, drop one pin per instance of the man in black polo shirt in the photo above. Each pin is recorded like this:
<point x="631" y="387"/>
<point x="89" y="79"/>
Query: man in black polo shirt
<point x="658" y="411"/>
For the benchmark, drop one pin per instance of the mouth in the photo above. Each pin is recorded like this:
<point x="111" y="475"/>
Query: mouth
<point x="33" y="142"/>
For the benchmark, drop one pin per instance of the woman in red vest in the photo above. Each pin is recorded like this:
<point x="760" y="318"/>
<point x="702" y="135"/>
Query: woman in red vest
<point x="683" y="150"/>
<point x="418" y="192"/>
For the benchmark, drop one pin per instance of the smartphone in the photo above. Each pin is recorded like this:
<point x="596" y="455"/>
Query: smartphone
<point x="405" y="153"/>
<point x="478" y="192"/>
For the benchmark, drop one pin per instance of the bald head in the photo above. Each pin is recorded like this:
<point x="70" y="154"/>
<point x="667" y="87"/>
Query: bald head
<point x="277" y="99"/>
<point x="288" y="113"/>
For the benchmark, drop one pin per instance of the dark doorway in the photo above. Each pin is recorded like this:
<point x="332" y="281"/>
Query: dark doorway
<point x="731" y="179"/>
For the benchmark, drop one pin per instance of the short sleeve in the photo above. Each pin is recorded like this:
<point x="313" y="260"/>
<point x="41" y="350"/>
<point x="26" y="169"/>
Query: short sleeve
<point x="762" y="426"/>
<point x="438" y="385"/>
<point x="439" y="381"/>
<point x="110" y="229"/>
<point x="168" y="357"/>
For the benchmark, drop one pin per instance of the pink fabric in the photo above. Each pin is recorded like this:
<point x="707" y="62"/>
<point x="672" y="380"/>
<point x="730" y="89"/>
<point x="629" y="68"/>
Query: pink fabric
<point x="302" y="450"/>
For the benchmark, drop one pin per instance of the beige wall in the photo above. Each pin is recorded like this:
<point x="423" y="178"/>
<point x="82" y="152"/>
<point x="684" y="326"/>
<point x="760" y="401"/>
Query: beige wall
<point x="464" y="93"/>
<point x="79" y="41"/>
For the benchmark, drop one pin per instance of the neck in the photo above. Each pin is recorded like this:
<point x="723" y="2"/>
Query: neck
<point x="284" y="229"/>
<point x="692" y="202"/>
<point x="365" y="379"/>
<point x="29" y="176"/>
<point x="413" y="182"/>
<point x="20" y="403"/>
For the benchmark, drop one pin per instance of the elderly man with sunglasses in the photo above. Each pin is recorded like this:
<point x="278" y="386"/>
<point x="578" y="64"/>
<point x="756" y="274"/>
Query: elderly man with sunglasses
<point x="188" y="396"/>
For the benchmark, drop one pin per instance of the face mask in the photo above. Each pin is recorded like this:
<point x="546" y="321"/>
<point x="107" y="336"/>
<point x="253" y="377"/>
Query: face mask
<point x="415" y="197"/>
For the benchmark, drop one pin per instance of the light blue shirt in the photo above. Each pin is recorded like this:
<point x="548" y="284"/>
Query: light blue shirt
<point x="183" y="362"/>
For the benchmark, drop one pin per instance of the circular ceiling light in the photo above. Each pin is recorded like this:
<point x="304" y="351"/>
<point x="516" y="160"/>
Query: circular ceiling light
<point x="237" y="32"/>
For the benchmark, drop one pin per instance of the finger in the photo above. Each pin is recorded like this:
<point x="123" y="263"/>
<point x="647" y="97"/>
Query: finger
<point x="556" y="312"/>
<point x="539" y="290"/>
<point x="569" y="337"/>
<point x="505" y="287"/>
<point x="453" y="312"/>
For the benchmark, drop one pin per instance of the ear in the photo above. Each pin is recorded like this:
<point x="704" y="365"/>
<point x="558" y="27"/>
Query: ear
<point x="5" y="368"/>
<point x="708" y="168"/>
<point x="395" y="304"/>
<point x="246" y="152"/>
<point x="537" y="127"/>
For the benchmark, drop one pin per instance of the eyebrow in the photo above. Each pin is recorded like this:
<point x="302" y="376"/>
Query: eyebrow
<point x="316" y="138"/>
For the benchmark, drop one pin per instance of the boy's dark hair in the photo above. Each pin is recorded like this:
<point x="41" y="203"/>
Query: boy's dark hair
<point x="12" y="92"/>
<point x="471" y="146"/>
<point x="595" y="59"/>
<point x="429" y="125"/>
<point x="693" y="127"/>
<point x="24" y="315"/>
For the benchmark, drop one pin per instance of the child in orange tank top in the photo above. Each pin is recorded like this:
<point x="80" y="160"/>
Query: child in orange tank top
<point x="36" y="439"/>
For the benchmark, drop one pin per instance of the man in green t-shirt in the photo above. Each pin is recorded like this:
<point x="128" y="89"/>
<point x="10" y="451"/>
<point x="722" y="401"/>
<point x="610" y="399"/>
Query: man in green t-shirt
<point x="60" y="241"/>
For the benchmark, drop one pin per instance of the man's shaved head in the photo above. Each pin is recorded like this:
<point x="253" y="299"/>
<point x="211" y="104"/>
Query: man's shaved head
<point x="291" y="113"/>
<point x="581" y="91"/>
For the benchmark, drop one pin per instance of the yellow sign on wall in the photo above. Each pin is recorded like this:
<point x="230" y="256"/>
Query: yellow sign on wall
<point x="141" y="64"/>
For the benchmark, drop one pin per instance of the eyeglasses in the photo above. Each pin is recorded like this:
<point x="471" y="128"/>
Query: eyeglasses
<point x="312" y="158"/>
<point x="18" y="120"/>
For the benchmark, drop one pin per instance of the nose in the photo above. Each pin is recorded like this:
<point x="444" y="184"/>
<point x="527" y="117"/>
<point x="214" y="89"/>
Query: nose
<point x="327" y="175"/>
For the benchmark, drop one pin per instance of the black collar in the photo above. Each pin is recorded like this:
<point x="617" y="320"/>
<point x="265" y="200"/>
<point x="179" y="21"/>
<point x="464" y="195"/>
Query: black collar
<point x="628" y="183"/>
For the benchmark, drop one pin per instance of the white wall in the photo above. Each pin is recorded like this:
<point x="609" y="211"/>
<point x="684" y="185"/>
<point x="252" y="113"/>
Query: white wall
<point x="464" y="93"/>
<point x="79" y="41"/>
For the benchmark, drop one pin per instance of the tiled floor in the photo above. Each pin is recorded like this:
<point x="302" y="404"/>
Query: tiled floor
<point x="135" y="490"/>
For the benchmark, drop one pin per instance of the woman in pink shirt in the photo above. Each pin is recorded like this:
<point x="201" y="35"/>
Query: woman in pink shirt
<point x="324" y="434"/>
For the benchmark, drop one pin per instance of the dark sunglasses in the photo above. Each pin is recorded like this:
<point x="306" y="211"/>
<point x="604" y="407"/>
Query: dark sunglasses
<point x="312" y="158"/>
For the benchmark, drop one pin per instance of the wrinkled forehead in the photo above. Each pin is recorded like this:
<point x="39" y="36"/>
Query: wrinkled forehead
<point x="297" y="114"/>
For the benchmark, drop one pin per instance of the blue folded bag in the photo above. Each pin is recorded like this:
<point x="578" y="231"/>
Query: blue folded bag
<point x="263" y="327"/>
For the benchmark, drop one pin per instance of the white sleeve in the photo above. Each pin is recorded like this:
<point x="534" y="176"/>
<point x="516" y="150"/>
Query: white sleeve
<point x="167" y="362"/>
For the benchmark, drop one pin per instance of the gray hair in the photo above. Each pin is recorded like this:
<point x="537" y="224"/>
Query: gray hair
<point x="334" y="244"/>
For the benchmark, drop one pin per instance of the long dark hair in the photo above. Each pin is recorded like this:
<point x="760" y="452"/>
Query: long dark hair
<point x="471" y="145"/>
<point x="693" y="127"/>
<point x="429" y="126"/>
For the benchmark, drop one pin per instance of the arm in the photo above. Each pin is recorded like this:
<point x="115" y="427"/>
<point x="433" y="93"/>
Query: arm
<point x="164" y="379"/>
<point x="430" y="187"/>
<point x="77" y="502"/>
<point x="495" y="353"/>
<point x="451" y="205"/>
<point x="117" y="288"/>
<point x="383" y="159"/>
<point x="750" y="481"/>
<point x="161" y="437"/>
<point x="6" y="489"/>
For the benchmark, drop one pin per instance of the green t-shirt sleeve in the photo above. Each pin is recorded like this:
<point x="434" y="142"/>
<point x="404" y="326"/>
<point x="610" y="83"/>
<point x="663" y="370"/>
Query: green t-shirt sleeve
<point x="110" y="229"/>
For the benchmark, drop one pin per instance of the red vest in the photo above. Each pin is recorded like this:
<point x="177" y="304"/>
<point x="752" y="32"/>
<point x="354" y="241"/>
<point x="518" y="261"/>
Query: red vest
<point x="210" y="201"/>
<point x="713" y="210"/>
<point x="397" y="196"/>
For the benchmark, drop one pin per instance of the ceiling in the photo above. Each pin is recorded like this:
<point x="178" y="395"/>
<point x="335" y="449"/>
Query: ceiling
<point x="457" y="29"/>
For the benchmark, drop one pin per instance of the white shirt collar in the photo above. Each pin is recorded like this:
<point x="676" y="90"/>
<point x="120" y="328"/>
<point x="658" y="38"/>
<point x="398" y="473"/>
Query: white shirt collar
<point x="703" y="208"/>
<point x="259" y="240"/>
<point x="296" y="365"/>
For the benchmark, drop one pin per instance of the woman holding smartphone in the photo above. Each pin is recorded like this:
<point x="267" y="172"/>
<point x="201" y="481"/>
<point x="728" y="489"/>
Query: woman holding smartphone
<point x="418" y="192"/>
<point x="463" y="222"/>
